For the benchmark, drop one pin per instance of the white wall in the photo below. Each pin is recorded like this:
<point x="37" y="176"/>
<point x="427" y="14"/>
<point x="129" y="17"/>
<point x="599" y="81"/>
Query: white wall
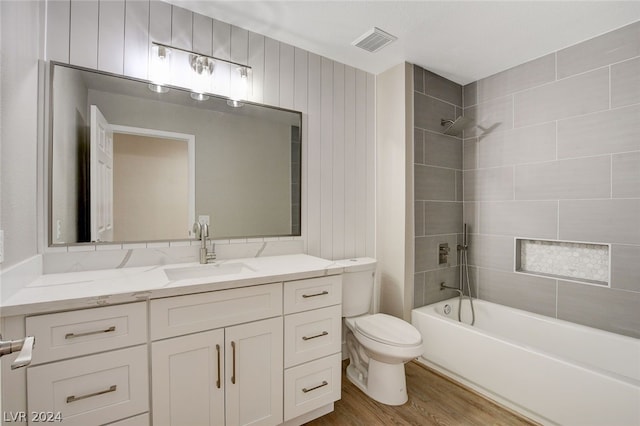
<point x="394" y="126"/>
<point x="20" y="51"/>
<point x="338" y="212"/>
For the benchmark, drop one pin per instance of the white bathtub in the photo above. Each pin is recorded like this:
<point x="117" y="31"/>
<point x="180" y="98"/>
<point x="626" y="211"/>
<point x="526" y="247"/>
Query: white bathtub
<point x="552" y="371"/>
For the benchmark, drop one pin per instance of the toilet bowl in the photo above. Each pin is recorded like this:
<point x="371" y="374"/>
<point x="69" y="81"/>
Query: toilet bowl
<point x="378" y="344"/>
<point x="386" y="338"/>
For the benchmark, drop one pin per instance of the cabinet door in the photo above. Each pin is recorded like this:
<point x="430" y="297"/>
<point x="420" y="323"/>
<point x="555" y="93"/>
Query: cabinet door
<point x="254" y="374"/>
<point x="187" y="381"/>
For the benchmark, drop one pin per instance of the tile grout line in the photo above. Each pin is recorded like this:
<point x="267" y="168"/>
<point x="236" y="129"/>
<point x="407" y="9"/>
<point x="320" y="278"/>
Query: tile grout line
<point x="611" y="176"/>
<point x="609" y="87"/>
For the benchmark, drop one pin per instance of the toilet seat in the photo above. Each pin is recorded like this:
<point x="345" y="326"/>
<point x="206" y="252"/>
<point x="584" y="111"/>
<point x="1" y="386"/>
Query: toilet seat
<point x="388" y="330"/>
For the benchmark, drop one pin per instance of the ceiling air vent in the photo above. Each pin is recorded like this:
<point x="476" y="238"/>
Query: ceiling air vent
<point x="374" y="40"/>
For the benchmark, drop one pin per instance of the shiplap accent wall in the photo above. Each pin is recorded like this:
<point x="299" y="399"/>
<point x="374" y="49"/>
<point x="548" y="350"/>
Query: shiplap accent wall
<point x="337" y="101"/>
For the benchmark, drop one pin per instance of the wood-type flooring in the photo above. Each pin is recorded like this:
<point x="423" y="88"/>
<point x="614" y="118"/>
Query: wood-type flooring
<point x="433" y="400"/>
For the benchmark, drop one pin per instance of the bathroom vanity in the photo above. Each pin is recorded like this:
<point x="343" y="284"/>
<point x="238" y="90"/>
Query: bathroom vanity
<point x="245" y="341"/>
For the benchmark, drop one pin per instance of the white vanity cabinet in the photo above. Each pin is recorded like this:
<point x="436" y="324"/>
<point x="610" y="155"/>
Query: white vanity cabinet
<point x="313" y="343"/>
<point x="90" y="366"/>
<point x="220" y="373"/>
<point x="235" y="353"/>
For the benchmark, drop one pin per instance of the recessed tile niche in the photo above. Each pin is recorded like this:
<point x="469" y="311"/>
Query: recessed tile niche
<point x="583" y="262"/>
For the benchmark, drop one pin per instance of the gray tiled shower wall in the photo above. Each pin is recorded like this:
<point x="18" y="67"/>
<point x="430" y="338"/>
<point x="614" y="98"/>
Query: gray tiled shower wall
<point x="437" y="185"/>
<point x="555" y="154"/>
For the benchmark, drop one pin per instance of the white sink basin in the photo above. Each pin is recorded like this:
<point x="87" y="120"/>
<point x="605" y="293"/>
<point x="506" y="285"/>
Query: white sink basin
<point x="203" y="271"/>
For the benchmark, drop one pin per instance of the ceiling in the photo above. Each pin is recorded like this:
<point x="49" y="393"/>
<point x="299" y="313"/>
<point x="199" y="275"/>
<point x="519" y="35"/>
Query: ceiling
<point x="463" y="41"/>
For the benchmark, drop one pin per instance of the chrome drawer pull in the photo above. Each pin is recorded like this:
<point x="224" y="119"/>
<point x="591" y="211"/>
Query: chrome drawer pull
<point x="89" y="333"/>
<point x="218" y="381"/>
<point x="322" y="293"/>
<point x="324" y="333"/>
<point x="324" y="383"/>
<point x="233" y="368"/>
<point x="74" y="398"/>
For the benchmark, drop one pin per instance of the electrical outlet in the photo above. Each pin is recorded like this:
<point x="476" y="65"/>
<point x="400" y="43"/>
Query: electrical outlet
<point x="203" y="219"/>
<point x="1" y="246"/>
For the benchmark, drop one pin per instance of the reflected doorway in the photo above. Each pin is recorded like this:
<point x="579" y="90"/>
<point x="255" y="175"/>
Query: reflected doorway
<point x="153" y="184"/>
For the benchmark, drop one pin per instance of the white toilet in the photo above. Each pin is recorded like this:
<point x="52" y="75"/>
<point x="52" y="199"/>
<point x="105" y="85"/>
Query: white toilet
<point x="378" y="345"/>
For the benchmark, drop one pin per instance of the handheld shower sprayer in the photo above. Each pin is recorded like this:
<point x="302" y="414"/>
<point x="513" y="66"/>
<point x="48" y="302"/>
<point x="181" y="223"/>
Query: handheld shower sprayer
<point x="464" y="273"/>
<point x="465" y="239"/>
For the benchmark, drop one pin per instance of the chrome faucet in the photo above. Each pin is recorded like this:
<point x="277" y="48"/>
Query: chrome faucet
<point x="443" y="286"/>
<point x="201" y="230"/>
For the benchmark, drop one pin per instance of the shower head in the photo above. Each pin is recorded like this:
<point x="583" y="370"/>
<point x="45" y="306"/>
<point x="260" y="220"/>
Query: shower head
<point x="455" y="127"/>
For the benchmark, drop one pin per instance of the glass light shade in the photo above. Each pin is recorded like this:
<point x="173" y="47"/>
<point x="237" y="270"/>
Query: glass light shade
<point x="239" y="85"/>
<point x="199" y="96"/>
<point x="202" y="76"/>
<point x="157" y="88"/>
<point x="160" y="67"/>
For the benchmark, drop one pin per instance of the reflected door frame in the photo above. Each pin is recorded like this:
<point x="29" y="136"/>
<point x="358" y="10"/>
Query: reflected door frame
<point x="190" y="140"/>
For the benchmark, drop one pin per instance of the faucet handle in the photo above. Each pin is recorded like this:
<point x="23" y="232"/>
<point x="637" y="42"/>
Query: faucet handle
<point x="205" y="230"/>
<point x="197" y="229"/>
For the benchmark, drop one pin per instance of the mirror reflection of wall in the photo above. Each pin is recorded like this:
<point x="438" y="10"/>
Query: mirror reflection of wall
<point x="69" y="177"/>
<point x="150" y="188"/>
<point x="246" y="161"/>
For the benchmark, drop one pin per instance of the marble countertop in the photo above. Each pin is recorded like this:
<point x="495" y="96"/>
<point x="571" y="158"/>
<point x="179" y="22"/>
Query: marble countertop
<point x="74" y="290"/>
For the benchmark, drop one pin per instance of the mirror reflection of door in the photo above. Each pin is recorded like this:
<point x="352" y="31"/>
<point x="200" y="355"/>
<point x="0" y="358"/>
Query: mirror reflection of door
<point x="153" y="184"/>
<point x="101" y="177"/>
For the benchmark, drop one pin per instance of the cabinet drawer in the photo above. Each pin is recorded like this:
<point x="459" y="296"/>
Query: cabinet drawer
<point x="312" y="385"/>
<point x="92" y="390"/>
<point x="175" y="316"/>
<point x="69" y="334"/>
<point x="312" y="334"/>
<point x="313" y="293"/>
<point x="141" y="420"/>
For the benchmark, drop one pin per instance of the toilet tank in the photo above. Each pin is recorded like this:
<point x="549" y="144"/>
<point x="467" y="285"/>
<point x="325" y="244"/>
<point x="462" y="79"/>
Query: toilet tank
<point x="357" y="285"/>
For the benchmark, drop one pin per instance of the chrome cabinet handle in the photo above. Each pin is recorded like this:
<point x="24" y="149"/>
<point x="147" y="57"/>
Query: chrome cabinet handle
<point x="324" y="333"/>
<point x="25" y="346"/>
<point x="233" y="363"/>
<point x="218" y="381"/>
<point x="74" y="398"/>
<point x="322" y="293"/>
<point x="324" y="383"/>
<point x="89" y="333"/>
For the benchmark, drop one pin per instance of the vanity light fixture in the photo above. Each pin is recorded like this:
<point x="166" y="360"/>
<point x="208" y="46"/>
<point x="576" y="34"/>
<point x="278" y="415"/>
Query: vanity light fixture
<point x="156" y="88"/>
<point x="202" y="66"/>
<point x="159" y="68"/>
<point x="203" y="78"/>
<point x="199" y="96"/>
<point x="234" y="104"/>
<point x="239" y="88"/>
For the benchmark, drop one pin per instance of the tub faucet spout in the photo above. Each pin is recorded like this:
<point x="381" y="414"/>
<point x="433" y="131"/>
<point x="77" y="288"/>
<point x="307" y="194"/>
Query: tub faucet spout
<point x="443" y="286"/>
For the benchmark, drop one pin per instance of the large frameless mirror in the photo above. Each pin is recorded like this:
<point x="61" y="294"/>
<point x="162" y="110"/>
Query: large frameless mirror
<point x="129" y="164"/>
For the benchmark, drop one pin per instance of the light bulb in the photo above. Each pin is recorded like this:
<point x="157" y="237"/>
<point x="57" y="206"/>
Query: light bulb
<point x="239" y="89"/>
<point x="160" y="68"/>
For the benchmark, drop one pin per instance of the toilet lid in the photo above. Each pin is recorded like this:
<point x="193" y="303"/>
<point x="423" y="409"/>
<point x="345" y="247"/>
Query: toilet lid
<point x="389" y="330"/>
